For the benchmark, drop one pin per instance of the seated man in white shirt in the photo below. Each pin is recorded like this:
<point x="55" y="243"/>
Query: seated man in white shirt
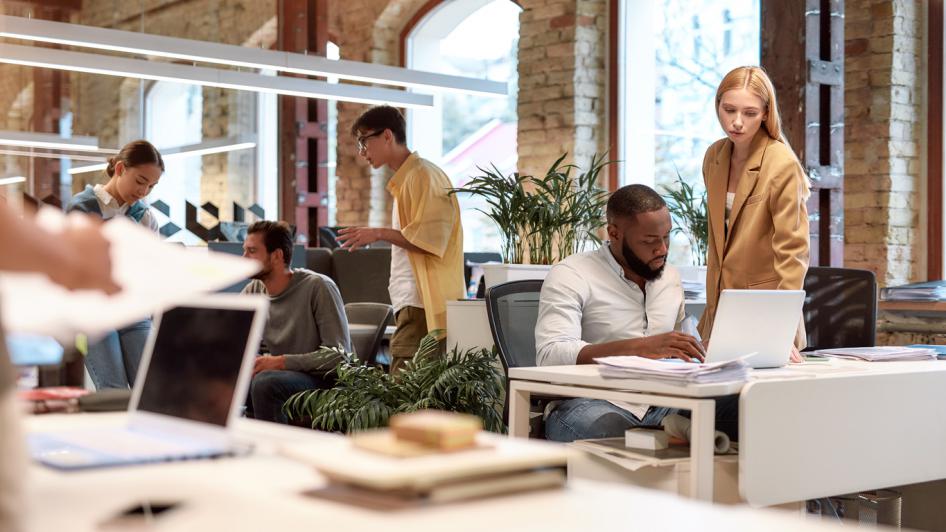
<point x="622" y="299"/>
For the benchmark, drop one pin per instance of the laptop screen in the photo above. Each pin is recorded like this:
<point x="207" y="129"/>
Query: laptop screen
<point x="196" y="362"/>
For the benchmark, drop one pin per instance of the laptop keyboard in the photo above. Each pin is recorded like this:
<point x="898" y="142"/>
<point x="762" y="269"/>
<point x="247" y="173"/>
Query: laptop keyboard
<point x="88" y="448"/>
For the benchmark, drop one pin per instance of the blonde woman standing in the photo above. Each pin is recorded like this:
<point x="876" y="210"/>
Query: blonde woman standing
<point x="756" y="192"/>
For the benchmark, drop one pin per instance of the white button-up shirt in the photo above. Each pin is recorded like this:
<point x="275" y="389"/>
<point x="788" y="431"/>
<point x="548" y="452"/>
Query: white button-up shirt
<point x="110" y="208"/>
<point x="586" y="300"/>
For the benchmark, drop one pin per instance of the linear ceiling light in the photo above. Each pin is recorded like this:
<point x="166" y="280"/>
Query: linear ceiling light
<point x="238" y="56"/>
<point x="50" y="155"/>
<point x="12" y="180"/>
<point x="25" y="139"/>
<point x="223" y="145"/>
<point x="210" y="77"/>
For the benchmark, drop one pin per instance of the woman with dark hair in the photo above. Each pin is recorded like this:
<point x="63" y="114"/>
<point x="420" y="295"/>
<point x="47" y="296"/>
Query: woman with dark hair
<point x="132" y="174"/>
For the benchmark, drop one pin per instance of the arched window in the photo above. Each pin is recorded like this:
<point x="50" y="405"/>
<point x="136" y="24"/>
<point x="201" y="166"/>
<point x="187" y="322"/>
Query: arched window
<point x="475" y="38"/>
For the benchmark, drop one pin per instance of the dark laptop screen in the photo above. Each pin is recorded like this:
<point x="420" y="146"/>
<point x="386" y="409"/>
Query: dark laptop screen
<point x="196" y="363"/>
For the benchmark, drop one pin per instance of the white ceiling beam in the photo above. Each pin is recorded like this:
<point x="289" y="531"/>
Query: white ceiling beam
<point x="52" y="141"/>
<point x="210" y="77"/>
<point x="238" y="56"/>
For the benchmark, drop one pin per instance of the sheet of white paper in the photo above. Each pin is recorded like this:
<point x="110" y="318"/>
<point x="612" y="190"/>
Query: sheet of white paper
<point x="153" y="275"/>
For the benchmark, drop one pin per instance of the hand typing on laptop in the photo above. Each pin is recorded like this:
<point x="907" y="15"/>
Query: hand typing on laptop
<point x="672" y="344"/>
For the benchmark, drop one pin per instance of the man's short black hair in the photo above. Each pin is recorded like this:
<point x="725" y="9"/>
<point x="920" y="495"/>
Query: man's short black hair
<point x="379" y="118"/>
<point x="276" y="235"/>
<point x="630" y="200"/>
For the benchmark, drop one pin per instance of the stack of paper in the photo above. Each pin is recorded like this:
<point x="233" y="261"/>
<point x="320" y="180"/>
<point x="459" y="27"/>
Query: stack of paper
<point x="926" y="291"/>
<point x="881" y="354"/>
<point x="153" y="275"/>
<point x="694" y="290"/>
<point x="672" y="370"/>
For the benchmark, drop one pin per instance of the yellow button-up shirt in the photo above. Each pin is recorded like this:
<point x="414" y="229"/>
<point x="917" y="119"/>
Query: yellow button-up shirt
<point x="430" y="219"/>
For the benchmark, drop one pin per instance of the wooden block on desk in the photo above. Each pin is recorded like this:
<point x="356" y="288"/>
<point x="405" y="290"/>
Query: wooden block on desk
<point x="440" y="430"/>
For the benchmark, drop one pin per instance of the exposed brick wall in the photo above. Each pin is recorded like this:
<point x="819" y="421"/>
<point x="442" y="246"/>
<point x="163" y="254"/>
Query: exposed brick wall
<point x="562" y="57"/>
<point x="353" y="189"/>
<point x="369" y="30"/>
<point x="883" y="114"/>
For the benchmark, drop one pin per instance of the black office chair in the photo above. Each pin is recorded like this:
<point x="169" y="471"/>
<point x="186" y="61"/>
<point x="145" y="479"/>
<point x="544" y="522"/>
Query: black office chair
<point x="328" y="236"/>
<point x="840" y="308"/>
<point x="378" y="316"/>
<point x="513" y="309"/>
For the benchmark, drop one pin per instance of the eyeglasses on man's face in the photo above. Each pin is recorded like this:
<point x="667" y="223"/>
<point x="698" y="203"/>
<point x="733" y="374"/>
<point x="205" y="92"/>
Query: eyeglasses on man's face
<point x="364" y="138"/>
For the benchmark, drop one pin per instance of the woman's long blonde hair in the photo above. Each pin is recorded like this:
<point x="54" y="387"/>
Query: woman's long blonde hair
<point x="758" y="83"/>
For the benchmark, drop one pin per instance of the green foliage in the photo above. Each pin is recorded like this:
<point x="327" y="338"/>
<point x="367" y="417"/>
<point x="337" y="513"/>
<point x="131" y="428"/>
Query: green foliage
<point x="365" y="397"/>
<point x="688" y="210"/>
<point x="552" y="217"/>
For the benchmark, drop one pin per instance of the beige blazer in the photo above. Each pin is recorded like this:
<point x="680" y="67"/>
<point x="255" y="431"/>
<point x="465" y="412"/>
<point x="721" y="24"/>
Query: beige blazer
<point x="767" y="243"/>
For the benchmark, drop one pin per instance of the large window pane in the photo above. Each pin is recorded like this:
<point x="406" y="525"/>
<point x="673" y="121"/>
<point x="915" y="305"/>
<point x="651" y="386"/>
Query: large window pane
<point x="674" y="54"/>
<point x="475" y="38"/>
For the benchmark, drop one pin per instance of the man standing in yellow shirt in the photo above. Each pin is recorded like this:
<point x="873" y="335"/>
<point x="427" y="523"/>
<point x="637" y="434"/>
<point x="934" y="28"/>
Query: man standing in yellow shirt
<point x="426" y="237"/>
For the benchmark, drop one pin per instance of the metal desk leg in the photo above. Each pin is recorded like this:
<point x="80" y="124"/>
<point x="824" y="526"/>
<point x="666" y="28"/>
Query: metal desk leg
<point x="702" y="431"/>
<point x="518" y="411"/>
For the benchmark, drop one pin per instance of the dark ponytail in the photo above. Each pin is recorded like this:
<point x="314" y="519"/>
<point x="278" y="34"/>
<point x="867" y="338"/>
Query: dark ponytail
<point x="135" y="153"/>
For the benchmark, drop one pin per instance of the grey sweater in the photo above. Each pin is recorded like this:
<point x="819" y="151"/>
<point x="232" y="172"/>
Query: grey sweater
<point x="307" y="315"/>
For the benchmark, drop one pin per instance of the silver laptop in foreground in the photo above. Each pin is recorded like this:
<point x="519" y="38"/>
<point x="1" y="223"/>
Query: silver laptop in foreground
<point x="193" y="378"/>
<point x="757" y="322"/>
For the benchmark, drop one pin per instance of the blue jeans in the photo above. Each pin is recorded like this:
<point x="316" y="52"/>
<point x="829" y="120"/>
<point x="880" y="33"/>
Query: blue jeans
<point x="113" y="361"/>
<point x="270" y="389"/>
<point x="581" y="419"/>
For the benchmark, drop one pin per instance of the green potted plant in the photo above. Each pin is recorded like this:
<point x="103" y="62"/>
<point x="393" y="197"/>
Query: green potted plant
<point x="365" y="397"/>
<point x="688" y="209"/>
<point x="541" y="219"/>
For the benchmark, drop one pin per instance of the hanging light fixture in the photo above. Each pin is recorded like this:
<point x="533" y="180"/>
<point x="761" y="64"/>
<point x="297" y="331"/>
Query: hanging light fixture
<point x="238" y="56"/>
<point x="210" y="77"/>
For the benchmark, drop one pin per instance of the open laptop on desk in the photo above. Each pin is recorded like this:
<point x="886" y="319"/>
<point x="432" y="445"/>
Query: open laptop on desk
<point x="762" y="322"/>
<point x="194" y="374"/>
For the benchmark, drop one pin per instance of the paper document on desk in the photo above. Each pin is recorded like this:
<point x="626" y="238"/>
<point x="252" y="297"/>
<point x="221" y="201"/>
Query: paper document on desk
<point x="672" y="371"/>
<point x="153" y="274"/>
<point x="880" y="354"/>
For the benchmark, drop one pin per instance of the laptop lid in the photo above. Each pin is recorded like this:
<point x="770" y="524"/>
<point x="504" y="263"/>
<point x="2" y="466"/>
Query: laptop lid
<point x="197" y="364"/>
<point x="756" y="321"/>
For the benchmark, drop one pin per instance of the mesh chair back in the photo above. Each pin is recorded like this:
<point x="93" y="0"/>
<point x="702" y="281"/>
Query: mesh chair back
<point x="376" y="315"/>
<point x="513" y="309"/>
<point x="840" y="308"/>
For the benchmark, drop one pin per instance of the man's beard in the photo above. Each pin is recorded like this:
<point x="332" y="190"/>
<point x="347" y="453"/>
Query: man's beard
<point x="263" y="273"/>
<point x="640" y="267"/>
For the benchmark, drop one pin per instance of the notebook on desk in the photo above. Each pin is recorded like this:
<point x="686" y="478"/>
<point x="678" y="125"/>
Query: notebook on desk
<point x="760" y="323"/>
<point x="193" y="377"/>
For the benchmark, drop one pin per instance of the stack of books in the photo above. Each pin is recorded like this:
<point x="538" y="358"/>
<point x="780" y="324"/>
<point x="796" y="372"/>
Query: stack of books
<point x="881" y="354"/>
<point x="672" y="370"/>
<point x="56" y="399"/>
<point x="928" y="291"/>
<point x="430" y="458"/>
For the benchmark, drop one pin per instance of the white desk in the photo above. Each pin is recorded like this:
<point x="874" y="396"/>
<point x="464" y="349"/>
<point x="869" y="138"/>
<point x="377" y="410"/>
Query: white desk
<point x="805" y="431"/>
<point x="262" y="492"/>
<point x="585" y="381"/>
<point x="851" y="427"/>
